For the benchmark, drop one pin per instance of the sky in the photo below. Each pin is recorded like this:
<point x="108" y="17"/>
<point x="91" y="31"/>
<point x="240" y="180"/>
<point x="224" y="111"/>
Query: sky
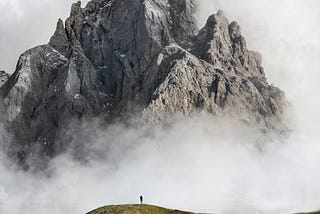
<point x="194" y="164"/>
<point x="25" y="24"/>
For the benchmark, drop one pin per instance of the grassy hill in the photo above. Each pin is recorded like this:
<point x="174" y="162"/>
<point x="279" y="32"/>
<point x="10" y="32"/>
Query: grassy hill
<point x="145" y="209"/>
<point x="317" y="212"/>
<point x="135" y="209"/>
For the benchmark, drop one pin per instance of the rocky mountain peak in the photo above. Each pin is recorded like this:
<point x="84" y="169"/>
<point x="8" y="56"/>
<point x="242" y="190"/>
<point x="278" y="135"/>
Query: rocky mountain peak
<point x="60" y="40"/>
<point x="115" y="59"/>
<point x="234" y="31"/>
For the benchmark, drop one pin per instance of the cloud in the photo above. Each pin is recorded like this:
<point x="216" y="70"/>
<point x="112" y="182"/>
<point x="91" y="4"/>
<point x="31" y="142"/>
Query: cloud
<point x="194" y="164"/>
<point x="27" y="23"/>
<point x="197" y="164"/>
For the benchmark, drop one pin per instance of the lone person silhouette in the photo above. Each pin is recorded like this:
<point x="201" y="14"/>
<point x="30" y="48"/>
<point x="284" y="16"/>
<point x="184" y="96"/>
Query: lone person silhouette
<point x="141" y="199"/>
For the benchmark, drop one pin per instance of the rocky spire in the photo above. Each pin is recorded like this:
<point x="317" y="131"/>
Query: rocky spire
<point x="60" y="40"/>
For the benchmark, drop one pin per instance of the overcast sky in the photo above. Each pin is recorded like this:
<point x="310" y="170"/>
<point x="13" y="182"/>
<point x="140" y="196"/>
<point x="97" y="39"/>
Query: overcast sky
<point x="27" y="23"/>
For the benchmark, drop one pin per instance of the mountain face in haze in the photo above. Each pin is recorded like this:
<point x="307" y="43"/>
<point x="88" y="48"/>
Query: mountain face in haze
<point x="118" y="58"/>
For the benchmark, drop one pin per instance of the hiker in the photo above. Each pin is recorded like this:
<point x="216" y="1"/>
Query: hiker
<point x="141" y="199"/>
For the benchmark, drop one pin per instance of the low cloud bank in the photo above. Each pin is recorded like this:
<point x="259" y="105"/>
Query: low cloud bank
<point x="197" y="164"/>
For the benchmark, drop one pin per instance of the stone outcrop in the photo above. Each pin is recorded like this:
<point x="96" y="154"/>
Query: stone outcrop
<point x="114" y="59"/>
<point x="3" y="78"/>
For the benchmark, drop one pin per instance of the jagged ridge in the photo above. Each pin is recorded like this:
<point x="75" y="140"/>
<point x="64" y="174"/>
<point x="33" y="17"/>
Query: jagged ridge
<point x="115" y="58"/>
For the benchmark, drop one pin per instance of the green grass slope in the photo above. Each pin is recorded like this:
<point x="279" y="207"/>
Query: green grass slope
<point x="135" y="209"/>
<point x="317" y="212"/>
<point x="145" y="209"/>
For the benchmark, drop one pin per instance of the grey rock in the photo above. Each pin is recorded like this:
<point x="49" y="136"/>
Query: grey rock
<point x="220" y="13"/>
<point x="114" y="59"/>
<point x="60" y="40"/>
<point x="3" y="78"/>
<point x="189" y="84"/>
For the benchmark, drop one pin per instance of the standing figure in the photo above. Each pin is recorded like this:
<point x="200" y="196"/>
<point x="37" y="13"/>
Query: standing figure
<point x="141" y="199"/>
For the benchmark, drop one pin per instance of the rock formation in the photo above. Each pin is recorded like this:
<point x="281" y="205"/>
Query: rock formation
<point x="3" y="78"/>
<point x="116" y="58"/>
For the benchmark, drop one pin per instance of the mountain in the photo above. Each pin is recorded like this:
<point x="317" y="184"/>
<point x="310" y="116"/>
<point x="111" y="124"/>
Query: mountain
<point x="135" y="209"/>
<point x="118" y="59"/>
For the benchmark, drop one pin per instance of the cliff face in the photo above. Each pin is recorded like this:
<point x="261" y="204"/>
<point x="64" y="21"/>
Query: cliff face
<point x="115" y="58"/>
